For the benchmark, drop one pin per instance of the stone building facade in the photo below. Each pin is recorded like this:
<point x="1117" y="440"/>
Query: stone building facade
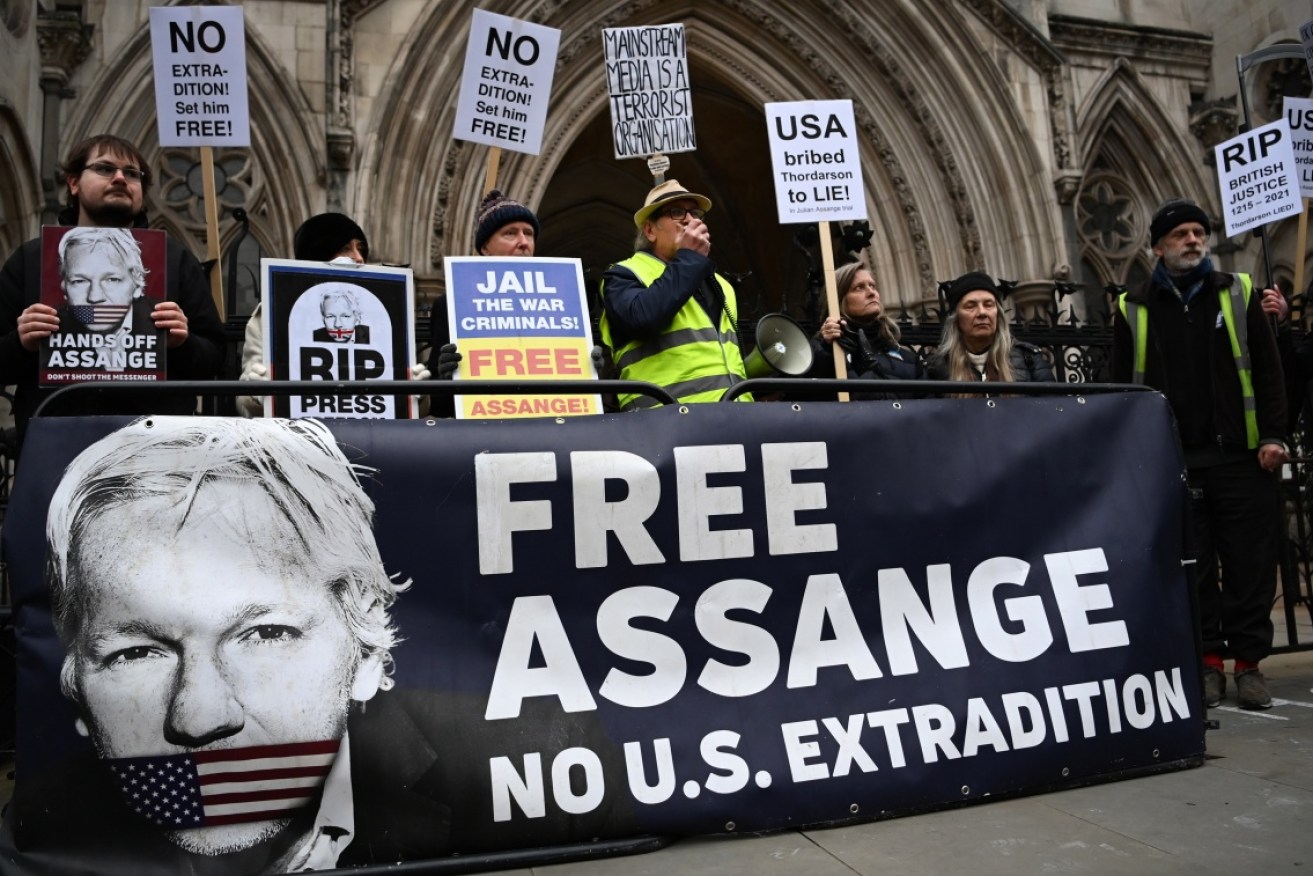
<point x="1028" y="138"/>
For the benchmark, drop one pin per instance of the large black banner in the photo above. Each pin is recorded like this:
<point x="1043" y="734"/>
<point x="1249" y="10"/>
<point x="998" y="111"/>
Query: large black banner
<point x="735" y="618"/>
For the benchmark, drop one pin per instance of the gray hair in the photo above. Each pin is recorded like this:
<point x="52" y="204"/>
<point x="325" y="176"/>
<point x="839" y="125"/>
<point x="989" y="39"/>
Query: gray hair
<point x="345" y="291"/>
<point x="324" y="517"/>
<point x="119" y="241"/>
<point x="998" y="358"/>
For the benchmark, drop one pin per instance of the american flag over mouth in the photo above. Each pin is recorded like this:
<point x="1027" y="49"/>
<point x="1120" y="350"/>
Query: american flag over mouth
<point x="232" y="786"/>
<point x="100" y="316"/>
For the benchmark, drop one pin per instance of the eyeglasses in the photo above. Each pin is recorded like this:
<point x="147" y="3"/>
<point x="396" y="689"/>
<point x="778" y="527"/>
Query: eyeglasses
<point x="678" y="213"/>
<point x="107" y="170"/>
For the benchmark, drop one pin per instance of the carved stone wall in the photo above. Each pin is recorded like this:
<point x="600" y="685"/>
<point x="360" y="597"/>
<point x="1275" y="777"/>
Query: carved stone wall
<point x="1023" y="138"/>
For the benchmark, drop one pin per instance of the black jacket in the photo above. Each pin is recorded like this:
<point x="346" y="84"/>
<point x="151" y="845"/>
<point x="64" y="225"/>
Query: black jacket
<point x="1029" y="365"/>
<point x="870" y="356"/>
<point x="1189" y="360"/>
<point x="200" y="357"/>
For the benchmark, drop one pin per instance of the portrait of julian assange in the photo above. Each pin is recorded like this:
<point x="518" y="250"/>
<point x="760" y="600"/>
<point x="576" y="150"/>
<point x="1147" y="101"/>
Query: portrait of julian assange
<point x="103" y="280"/>
<point x="225" y="612"/>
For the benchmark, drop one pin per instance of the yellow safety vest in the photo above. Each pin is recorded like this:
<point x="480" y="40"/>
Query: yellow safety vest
<point x="692" y="358"/>
<point x="1230" y="300"/>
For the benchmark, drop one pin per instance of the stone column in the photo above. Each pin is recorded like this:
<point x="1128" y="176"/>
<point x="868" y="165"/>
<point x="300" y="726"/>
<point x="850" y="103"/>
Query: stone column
<point x="65" y="42"/>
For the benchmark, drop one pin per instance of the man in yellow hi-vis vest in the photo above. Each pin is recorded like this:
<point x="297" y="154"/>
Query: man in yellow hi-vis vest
<point x="1201" y="338"/>
<point x="668" y="317"/>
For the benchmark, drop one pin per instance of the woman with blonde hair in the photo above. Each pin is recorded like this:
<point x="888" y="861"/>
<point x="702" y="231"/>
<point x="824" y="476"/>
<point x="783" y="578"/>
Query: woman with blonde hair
<point x="868" y="337"/>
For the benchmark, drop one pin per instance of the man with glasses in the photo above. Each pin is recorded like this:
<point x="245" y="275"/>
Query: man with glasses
<point x="1200" y="336"/>
<point x="107" y="179"/>
<point x="668" y="317"/>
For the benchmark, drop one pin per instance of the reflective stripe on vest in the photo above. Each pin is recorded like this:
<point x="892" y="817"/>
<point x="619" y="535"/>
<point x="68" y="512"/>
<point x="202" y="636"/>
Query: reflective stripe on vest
<point x="1230" y="300"/>
<point x="694" y="359"/>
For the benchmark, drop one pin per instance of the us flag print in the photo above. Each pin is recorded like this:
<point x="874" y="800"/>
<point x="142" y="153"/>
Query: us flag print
<point x="210" y="788"/>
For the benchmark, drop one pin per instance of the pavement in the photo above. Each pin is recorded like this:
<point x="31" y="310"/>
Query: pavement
<point x="1248" y="809"/>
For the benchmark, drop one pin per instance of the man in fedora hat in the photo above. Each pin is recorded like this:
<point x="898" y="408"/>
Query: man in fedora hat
<point x="668" y="317"/>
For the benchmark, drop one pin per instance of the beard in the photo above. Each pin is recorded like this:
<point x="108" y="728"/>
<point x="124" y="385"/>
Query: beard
<point x="1184" y="263"/>
<point x="117" y="213"/>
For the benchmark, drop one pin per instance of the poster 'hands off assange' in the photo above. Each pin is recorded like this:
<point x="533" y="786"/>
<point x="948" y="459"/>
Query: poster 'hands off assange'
<point x="727" y="620"/>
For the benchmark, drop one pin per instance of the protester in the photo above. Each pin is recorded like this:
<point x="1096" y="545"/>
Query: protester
<point x="503" y="228"/>
<point x="1200" y="336"/>
<point x="668" y="317"/>
<point x="325" y="237"/>
<point x="107" y="179"/>
<point x="868" y="337"/>
<point x="977" y="345"/>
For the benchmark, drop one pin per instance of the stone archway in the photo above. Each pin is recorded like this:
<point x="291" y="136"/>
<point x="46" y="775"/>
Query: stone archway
<point x="934" y="182"/>
<point x="20" y="196"/>
<point x="275" y="179"/>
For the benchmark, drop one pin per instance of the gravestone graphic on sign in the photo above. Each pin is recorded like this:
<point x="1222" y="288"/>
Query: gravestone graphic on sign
<point x="336" y="324"/>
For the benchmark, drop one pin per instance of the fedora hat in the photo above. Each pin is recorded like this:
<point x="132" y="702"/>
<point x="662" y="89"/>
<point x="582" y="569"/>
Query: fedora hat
<point x="668" y="191"/>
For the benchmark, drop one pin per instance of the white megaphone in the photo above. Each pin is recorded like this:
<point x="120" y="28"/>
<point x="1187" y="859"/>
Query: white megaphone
<point x="782" y="348"/>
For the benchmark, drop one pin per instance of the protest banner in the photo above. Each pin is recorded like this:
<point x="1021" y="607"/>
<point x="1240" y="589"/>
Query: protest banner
<point x="672" y="622"/>
<point x="1257" y="175"/>
<point x="651" y="99"/>
<point x="816" y="159"/>
<point x="506" y="83"/>
<point x="815" y="156"/>
<point x="199" y="56"/>
<point x="336" y="323"/>
<point x="520" y="319"/>
<point x="1299" y="116"/>
<point x="104" y="282"/>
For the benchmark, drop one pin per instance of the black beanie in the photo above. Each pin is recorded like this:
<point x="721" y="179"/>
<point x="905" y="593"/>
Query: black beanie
<point x="498" y="210"/>
<point x="320" y="238"/>
<point x="956" y="290"/>
<point x="1177" y="212"/>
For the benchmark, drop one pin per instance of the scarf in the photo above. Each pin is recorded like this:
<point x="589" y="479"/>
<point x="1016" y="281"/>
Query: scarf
<point x="1186" y="285"/>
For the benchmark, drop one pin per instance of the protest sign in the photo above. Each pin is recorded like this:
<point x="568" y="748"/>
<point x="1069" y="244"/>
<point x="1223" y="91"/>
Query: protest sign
<point x="520" y="319"/>
<point x="104" y="282"/>
<point x="668" y="622"/>
<point x="651" y="101"/>
<point x="1299" y="116"/>
<point x="1306" y="37"/>
<point x="816" y="161"/>
<point x="325" y="322"/>
<point x="1258" y="178"/>
<point x="199" y="55"/>
<point x="506" y="83"/>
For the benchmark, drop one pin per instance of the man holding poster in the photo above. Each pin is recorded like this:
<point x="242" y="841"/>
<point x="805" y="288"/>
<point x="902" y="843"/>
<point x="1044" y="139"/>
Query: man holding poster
<point x="1200" y="336"/>
<point x="107" y="178"/>
<point x="668" y="317"/>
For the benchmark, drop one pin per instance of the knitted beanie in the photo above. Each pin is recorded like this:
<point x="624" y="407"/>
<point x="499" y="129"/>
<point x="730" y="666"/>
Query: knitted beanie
<point x="498" y="210"/>
<point x="1176" y="212"/>
<point x="320" y="238"/>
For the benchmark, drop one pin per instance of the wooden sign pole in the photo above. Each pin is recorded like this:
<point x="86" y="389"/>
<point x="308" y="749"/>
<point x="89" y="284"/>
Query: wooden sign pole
<point x="1301" y="255"/>
<point x="832" y="301"/>
<point x="490" y="176"/>
<point x="212" y="229"/>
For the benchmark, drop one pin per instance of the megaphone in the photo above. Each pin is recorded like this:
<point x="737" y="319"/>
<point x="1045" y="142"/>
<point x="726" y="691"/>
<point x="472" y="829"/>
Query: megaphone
<point x="782" y="348"/>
